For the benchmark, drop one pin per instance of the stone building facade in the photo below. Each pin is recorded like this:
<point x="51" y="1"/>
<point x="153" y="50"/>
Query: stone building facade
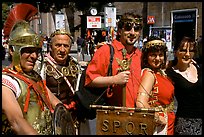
<point x="162" y="12"/>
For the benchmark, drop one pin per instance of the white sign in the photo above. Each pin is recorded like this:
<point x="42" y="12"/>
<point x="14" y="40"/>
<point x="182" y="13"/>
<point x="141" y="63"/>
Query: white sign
<point x="169" y="39"/>
<point x="110" y="16"/>
<point x="93" y="21"/>
<point x="59" y="21"/>
<point x="168" y="35"/>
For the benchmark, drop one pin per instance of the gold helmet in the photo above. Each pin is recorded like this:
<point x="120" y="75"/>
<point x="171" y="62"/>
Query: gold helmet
<point x="17" y="30"/>
<point x="20" y="37"/>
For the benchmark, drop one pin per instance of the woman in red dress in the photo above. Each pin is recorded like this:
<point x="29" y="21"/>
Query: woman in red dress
<point x="156" y="90"/>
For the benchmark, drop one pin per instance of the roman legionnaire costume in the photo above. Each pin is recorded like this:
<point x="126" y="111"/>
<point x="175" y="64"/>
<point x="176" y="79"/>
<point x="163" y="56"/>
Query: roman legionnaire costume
<point x="32" y="95"/>
<point x="33" y="100"/>
<point x="61" y="80"/>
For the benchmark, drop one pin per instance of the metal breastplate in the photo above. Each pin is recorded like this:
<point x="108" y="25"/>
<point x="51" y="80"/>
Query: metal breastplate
<point x="41" y="120"/>
<point x="56" y="83"/>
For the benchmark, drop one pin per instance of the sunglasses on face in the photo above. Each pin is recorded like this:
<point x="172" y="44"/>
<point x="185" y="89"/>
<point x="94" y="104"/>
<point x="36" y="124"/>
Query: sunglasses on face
<point x="31" y="50"/>
<point x="129" y="25"/>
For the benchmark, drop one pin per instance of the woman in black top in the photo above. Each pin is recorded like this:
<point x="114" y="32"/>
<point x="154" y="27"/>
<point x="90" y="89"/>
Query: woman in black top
<point x="187" y="78"/>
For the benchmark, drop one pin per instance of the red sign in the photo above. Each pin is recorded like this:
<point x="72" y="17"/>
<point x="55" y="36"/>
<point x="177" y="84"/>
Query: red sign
<point x="150" y="19"/>
<point x="93" y="21"/>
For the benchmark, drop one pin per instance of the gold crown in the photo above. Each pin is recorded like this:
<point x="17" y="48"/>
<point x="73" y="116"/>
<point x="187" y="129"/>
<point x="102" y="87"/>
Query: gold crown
<point x="61" y="32"/>
<point x="154" y="43"/>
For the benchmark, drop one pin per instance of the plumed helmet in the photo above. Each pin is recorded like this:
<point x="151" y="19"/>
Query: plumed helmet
<point x="17" y="30"/>
<point x="20" y="37"/>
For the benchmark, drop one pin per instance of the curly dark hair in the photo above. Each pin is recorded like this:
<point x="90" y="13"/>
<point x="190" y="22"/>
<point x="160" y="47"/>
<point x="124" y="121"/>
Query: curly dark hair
<point x="129" y="16"/>
<point x="155" y="47"/>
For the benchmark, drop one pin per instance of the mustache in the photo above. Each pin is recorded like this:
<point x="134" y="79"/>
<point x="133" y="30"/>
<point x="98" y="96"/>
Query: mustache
<point x="61" y="53"/>
<point x="131" y="36"/>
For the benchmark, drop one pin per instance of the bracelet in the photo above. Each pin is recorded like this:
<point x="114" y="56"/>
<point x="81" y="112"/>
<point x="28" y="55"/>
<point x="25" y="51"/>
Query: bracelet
<point x="143" y="94"/>
<point x="140" y="103"/>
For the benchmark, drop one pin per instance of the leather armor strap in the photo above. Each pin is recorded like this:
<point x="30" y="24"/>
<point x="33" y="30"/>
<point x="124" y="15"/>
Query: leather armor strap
<point x="35" y="85"/>
<point x="65" y="78"/>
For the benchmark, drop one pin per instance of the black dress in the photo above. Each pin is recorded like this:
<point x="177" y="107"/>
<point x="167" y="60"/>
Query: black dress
<point x="189" y="97"/>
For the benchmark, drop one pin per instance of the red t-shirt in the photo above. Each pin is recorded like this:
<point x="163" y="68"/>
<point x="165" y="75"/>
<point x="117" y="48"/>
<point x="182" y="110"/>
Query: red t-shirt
<point x="99" y="67"/>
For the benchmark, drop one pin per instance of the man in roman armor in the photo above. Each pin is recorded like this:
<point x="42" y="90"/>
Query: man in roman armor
<point x="27" y="104"/>
<point x="60" y="70"/>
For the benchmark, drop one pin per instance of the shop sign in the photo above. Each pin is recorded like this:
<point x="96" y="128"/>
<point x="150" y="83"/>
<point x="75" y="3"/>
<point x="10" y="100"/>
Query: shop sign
<point x="184" y="16"/>
<point x="60" y="21"/>
<point x="150" y="19"/>
<point x="110" y="16"/>
<point x="93" y="21"/>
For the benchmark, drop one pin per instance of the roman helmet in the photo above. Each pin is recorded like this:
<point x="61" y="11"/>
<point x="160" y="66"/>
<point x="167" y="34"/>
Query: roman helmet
<point x="20" y="37"/>
<point x="17" y="29"/>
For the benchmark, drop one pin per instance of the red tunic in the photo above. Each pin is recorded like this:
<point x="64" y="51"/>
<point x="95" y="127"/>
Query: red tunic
<point x="99" y="67"/>
<point x="163" y="94"/>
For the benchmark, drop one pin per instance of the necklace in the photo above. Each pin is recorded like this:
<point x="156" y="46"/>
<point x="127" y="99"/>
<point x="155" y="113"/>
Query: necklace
<point x="189" y="74"/>
<point x="183" y="73"/>
<point x="186" y="72"/>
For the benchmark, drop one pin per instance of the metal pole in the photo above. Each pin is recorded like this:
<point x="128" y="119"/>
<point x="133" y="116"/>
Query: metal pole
<point x="39" y="21"/>
<point x="101" y="107"/>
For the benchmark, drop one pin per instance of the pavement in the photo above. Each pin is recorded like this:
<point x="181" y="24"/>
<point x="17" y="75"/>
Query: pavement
<point x="74" y="53"/>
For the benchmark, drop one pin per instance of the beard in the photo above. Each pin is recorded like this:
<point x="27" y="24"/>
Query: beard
<point x="131" y="39"/>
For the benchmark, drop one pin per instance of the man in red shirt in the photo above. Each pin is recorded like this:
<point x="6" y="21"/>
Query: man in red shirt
<point x="129" y="30"/>
<point x="125" y="78"/>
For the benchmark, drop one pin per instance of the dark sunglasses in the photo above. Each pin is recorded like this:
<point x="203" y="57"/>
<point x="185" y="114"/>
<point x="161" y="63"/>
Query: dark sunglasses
<point x="129" y="25"/>
<point x="31" y="50"/>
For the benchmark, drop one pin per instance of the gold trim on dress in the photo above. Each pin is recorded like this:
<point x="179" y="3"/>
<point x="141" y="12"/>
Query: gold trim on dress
<point x="166" y="108"/>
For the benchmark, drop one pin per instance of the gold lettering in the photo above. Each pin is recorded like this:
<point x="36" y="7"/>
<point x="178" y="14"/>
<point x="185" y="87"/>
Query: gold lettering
<point x="130" y="127"/>
<point x="105" y="125"/>
<point x="143" y="128"/>
<point x="116" y="124"/>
